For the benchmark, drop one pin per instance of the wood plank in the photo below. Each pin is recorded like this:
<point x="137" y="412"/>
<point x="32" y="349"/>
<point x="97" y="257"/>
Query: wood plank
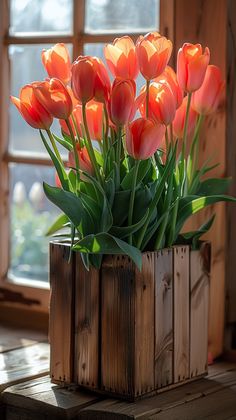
<point x="221" y="406"/>
<point x="61" y="321"/>
<point x="13" y="338"/>
<point x="27" y="362"/>
<point x="117" y="321"/>
<point x="163" y="318"/>
<point x="178" y="397"/>
<point x="144" y="325"/>
<point x="202" y="17"/>
<point x="199" y="308"/>
<point x="231" y="158"/>
<point x="127" y="326"/>
<point x="86" y="324"/>
<point x="181" y="313"/>
<point x="40" y="399"/>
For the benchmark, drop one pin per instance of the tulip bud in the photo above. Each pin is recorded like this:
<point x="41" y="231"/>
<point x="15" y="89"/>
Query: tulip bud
<point x="84" y="160"/>
<point x="56" y="61"/>
<point x="153" y="52"/>
<point x="33" y="112"/>
<point x="122" y="101"/>
<point x="206" y="99"/>
<point x="121" y="58"/>
<point x="179" y="120"/>
<point x="191" y="66"/>
<point x="143" y="137"/>
<point x="54" y="96"/>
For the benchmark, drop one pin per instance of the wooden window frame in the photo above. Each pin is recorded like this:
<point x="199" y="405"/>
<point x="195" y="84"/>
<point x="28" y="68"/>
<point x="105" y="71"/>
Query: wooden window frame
<point x="35" y="297"/>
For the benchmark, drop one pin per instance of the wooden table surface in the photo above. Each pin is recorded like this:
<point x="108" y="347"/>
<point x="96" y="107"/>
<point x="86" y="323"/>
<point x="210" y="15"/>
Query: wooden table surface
<point x="27" y="393"/>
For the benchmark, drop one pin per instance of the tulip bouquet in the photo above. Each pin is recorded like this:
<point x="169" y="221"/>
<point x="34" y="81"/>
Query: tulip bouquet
<point x="130" y="181"/>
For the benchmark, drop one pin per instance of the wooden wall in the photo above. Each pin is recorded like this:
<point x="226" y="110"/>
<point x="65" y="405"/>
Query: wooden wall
<point x="204" y="21"/>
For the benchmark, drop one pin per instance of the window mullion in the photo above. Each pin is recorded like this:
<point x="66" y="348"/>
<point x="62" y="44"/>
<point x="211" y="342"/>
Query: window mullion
<point x="4" y="130"/>
<point x="78" y="27"/>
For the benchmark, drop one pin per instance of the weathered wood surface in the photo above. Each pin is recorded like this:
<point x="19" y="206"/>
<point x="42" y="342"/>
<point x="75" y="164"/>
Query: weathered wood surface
<point x="23" y="363"/>
<point x="87" y="306"/>
<point x="61" y="322"/>
<point x="181" y="313"/>
<point x="12" y="338"/>
<point x="163" y="318"/>
<point x="199" y="308"/>
<point x="127" y="322"/>
<point x="197" y="27"/>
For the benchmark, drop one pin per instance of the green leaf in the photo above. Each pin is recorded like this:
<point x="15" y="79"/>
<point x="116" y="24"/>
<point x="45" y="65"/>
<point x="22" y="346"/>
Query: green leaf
<point x="106" y="218"/>
<point x="68" y="202"/>
<point x="104" y="243"/>
<point x="120" y="207"/>
<point x="194" y="236"/>
<point x="98" y="156"/>
<point x="59" y="223"/>
<point x="68" y="145"/>
<point x="124" y="231"/>
<point x="59" y="168"/>
<point x="213" y="186"/>
<point x="198" y="204"/>
<point x="144" y="167"/>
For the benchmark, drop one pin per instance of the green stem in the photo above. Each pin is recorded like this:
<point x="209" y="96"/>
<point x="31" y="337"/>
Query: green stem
<point x="132" y="197"/>
<point x="76" y="129"/>
<point x="147" y="97"/>
<point x="51" y="138"/>
<point x="186" y="126"/>
<point x="171" y="235"/>
<point x="167" y="140"/>
<point x="119" y="138"/>
<point x="194" y="146"/>
<point x="74" y="145"/>
<point x="90" y="146"/>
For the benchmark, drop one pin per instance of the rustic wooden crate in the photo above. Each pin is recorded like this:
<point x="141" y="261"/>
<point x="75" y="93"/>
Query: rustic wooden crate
<point x="128" y="333"/>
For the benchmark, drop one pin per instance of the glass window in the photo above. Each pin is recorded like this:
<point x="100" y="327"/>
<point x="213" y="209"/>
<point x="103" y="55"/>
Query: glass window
<point x="41" y="16"/>
<point x="122" y="15"/>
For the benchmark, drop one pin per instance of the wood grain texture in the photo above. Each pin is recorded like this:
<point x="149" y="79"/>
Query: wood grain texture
<point x="61" y="323"/>
<point x="231" y="158"/>
<point x="202" y="17"/>
<point x="163" y="318"/>
<point x="181" y="313"/>
<point x="87" y="329"/>
<point x="127" y="326"/>
<point x="23" y="363"/>
<point x="199" y="308"/>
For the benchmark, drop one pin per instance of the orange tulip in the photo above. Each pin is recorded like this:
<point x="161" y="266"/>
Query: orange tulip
<point x="56" y="61"/>
<point x="143" y="137"/>
<point x="191" y="66"/>
<point x="84" y="160"/>
<point x="94" y="114"/>
<point x="121" y="58"/>
<point x="122" y="101"/>
<point x="161" y="105"/>
<point x="206" y="99"/>
<point x="178" y="123"/>
<point x="153" y="51"/>
<point x="31" y="109"/>
<point x="90" y="79"/>
<point x="54" y="96"/>
<point x="169" y="76"/>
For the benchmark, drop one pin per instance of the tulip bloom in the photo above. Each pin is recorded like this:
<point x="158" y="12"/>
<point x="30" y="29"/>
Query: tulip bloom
<point x="143" y="137"/>
<point x="153" y="52"/>
<point x="84" y="160"/>
<point x="179" y="120"/>
<point x="31" y="109"/>
<point x="122" y="101"/>
<point x="54" y="96"/>
<point x="56" y="61"/>
<point x="191" y="66"/>
<point x="121" y="58"/>
<point x="169" y="77"/>
<point x="206" y="99"/>
<point x="161" y="104"/>
<point x="90" y="79"/>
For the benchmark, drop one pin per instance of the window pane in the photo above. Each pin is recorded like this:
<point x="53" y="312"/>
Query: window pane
<point x="122" y="15"/>
<point x="31" y="216"/>
<point x="22" y="136"/>
<point x="41" y="16"/>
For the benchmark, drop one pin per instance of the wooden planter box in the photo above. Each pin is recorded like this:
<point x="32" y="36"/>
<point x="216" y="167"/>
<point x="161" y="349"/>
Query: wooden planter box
<point x="125" y="333"/>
